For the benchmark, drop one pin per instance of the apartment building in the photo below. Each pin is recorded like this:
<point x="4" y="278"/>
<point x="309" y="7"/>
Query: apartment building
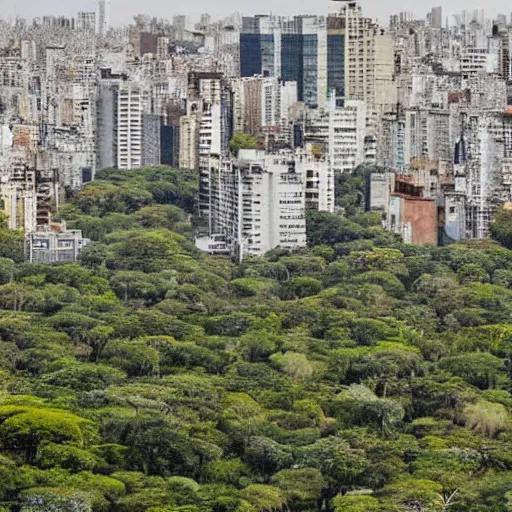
<point x="258" y="201"/>
<point x="129" y="127"/>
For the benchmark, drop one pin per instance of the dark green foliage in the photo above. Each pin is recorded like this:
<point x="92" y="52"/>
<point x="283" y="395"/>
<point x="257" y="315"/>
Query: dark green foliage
<point x="357" y="375"/>
<point x="501" y="228"/>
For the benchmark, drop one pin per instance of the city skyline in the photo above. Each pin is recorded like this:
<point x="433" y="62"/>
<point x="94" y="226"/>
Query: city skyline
<point x="122" y="12"/>
<point x="427" y="107"/>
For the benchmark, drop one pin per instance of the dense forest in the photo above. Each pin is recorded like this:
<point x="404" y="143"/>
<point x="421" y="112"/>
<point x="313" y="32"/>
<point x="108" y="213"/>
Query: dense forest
<point x="359" y="375"/>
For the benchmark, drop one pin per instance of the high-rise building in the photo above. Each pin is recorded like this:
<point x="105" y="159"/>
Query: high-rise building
<point x="179" y="24"/>
<point x="86" y="21"/>
<point x="294" y="50"/>
<point x="162" y="48"/>
<point x="103" y="17"/>
<point x="342" y="131"/>
<point x="151" y="139"/>
<point x="259" y="200"/>
<point x="436" y="17"/>
<point x="261" y="104"/>
<point x="107" y="119"/>
<point x="359" y="49"/>
<point x="336" y="55"/>
<point x="129" y="126"/>
<point x="206" y="129"/>
<point x="258" y="47"/>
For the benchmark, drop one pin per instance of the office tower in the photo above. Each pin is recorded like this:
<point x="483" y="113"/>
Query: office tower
<point x="303" y="57"/>
<point x="436" y="17"/>
<point x="86" y="21"/>
<point x="294" y="50"/>
<point x="151" y="139"/>
<point x="129" y="126"/>
<point x="179" y="24"/>
<point x="257" y="46"/>
<point x="336" y="55"/>
<point x="103" y="17"/>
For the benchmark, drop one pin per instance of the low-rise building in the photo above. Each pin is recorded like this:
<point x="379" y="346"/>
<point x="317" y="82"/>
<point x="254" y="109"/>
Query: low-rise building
<point x="55" y="244"/>
<point x="411" y="215"/>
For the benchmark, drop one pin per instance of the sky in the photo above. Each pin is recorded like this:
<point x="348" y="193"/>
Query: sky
<point x="122" y="11"/>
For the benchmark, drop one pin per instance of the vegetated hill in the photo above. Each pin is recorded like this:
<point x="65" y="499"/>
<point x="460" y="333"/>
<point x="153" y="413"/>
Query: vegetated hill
<point x="358" y="375"/>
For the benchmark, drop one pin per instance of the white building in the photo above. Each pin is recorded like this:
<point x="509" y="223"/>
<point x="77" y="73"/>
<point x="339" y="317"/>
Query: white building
<point x="258" y="201"/>
<point x="319" y="179"/>
<point x="58" y="245"/>
<point x="86" y="21"/>
<point x="277" y="96"/>
<point x="268" y="203"/>
<point x="204" y="131"/>
<point x="347" y="129"/>
<point x="342" y="130"/>
<point x="129" y="127"/>
<point x="103" y="17"/>
<point x="479" y="60"/>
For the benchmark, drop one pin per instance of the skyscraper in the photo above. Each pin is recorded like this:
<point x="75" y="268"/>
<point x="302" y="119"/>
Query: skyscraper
<point x="206" y="129"/>
<point x="294" y="50"/>
<point x="129" y="127"/>
<point x="336" y="55"/>
<point x="86" y="21"/>
<point x="104" y="17"/>
<point x="257" y="46"/>
<point x="436" y="17"/>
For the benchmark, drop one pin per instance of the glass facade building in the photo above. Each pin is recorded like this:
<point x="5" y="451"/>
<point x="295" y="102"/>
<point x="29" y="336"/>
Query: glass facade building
<point x="309" y="86"/>
<point x="308" y="50"/>
<point x="336" y="64"/>
<point x="336" y="47"/>
<point x="256" y="54"/>
<point x="291" y="60"/>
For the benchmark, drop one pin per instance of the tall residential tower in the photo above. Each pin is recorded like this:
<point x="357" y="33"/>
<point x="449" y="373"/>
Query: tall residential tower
<point x="103" y="17"/>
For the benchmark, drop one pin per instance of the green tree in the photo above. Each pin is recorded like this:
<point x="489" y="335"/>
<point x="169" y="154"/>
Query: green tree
<point x="501" y="227"/>
<point x="242" y="141"/>
<point x="478" y="369"/>
<point x="264" y="498"/>
<point x="356" y="504"/>
<point x="24" y="428"/>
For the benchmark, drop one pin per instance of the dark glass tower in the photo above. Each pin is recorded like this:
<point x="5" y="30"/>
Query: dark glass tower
<point x="309" y="86"/>
<point x="256" y="54"/>
<point x="336" y="56"/>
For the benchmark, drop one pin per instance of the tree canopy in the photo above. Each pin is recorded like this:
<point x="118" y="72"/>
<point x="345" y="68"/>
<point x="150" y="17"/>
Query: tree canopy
<point x="359" y="374"/>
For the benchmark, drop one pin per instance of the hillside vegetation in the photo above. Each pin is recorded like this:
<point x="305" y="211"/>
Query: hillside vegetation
<point x="359" y="375"/>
